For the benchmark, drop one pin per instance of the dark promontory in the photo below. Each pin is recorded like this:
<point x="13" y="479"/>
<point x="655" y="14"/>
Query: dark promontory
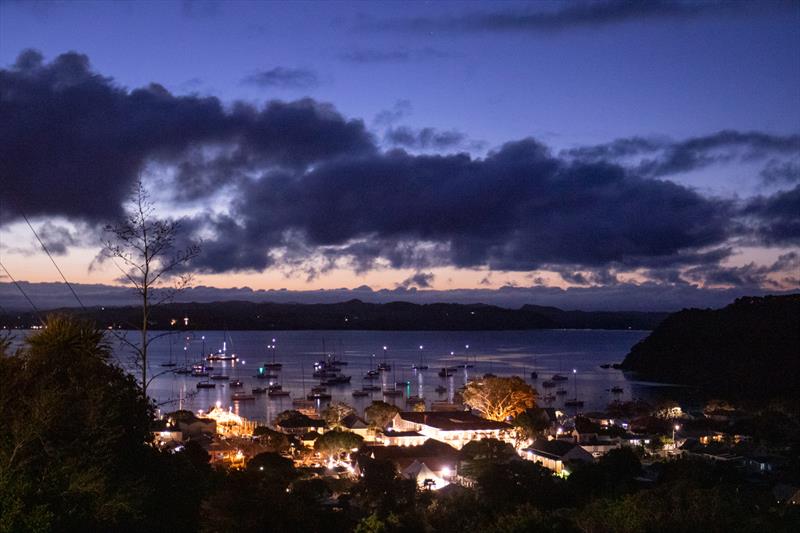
<point x="750" y="348"/>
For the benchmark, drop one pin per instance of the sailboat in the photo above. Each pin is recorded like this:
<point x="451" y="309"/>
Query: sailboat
<point x="302" y="402"/>
<point x="403" y="381"/>
<point x="574" y="402"/>
<point x="222" y="354"/>
<point x="421" y="365"/>
<point x="559" y="376"/>
<point x="171" y="363"/>
<point x="235" y="383"/>
<point x="273" y="365"/>
<point x="466" y="357"/>
<point x="372" y="373"/>
<point x="186" y="368"/>
<point x="534" y="374"/>
<point x="339" y="361"/>
<point x="394" y="391"/>
<point x="276" y="391"/>
<point x="384" y="366"/>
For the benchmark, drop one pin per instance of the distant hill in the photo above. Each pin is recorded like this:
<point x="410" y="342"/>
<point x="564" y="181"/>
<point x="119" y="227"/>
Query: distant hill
<point x="749" y="348"/>
<point x="357" y="315"/>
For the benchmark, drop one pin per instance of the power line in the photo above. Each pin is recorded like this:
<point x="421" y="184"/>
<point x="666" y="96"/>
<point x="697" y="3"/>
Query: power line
<point x="33" y="305"/>
<point x="75" y="294"/>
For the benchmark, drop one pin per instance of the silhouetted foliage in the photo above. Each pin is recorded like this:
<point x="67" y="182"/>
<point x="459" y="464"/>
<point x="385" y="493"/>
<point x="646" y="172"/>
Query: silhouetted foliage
<point x="747" y="349"/>
<point x="380" y="413"/>
<point x="75" y="447"/>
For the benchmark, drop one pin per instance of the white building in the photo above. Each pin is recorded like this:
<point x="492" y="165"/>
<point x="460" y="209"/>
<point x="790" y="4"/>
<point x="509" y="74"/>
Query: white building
<point x="455" y="428"/>
<point x="555" y="455"/>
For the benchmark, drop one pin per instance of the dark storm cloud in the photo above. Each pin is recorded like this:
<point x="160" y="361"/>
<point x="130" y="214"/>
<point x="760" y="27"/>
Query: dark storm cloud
<point x="308" y="190"/>
<point x="284" y="78"/>
<point x="749" y="275"/>
<point x="56" y="238"/>
<point x="72" y="141"/>
<point x="568" y="15"/>
<point x="600" y="276"/>
<point x="663" y="157"/>
<point x="517" y="209"/>
<point x="776" y="218"/>
<point x="779" y="172"/>
<point x="422" y="280"/>
<point x="424" y="139"/>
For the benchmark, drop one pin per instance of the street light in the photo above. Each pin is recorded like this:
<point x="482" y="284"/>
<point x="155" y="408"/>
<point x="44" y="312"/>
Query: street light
<point x="675" y="428"/>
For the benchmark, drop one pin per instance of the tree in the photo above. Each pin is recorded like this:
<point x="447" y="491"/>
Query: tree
<point x="530" y="423"/>
<point x="499" y="398"/>
<point x="289" y="414"/>
<point x="504" y="486"/>
<point x="150" y="262"/>
<point x="275" y="440"/>
<point x="379" y="413"/>
<point x="612" y="475"/>
<point x="278" y="470"/>
<point x="381" y="489"/>
<point x="479" y="454"/>
<point x="75" y="450"/>
<point x="336" y="412"/>
<point x="335" y="442"/>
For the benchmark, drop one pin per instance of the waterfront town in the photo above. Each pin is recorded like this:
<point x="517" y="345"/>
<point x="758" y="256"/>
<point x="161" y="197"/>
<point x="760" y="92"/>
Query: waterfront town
<point x="400" y="266"/>
<point x="426" y="445"/>
<point x="493" y="457"/>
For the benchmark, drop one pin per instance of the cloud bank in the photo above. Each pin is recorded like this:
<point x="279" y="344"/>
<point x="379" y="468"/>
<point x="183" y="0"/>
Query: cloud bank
<point x="309" y="190"/>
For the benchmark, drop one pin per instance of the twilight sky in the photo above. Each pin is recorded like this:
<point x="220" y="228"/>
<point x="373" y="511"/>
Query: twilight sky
<point x="599" y="152"/>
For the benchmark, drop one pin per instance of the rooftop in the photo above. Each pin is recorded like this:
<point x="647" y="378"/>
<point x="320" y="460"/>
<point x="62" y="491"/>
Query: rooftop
<point x="452" y="420"/>
<point x="551" y="448"/>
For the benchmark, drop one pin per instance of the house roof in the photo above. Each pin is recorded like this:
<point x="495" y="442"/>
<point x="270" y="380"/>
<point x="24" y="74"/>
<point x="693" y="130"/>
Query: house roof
<point x="552" y="448"/>
<point x="301" y="421"/>
<point x="353" y="421"/>
<point x="431" y="448"/>
<point x="452" y="420"/>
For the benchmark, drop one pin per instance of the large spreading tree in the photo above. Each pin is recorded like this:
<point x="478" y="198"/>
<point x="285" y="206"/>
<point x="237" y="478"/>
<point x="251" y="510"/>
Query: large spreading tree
<point x="335" y="442"/>
<point x="499" y="398"/>
<point x="380" y="413"/>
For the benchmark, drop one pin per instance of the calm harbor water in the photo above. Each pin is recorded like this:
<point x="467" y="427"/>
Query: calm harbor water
<point x="502" y="353"/>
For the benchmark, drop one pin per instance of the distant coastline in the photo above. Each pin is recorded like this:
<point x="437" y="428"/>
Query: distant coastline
<point x="352" y="315"/>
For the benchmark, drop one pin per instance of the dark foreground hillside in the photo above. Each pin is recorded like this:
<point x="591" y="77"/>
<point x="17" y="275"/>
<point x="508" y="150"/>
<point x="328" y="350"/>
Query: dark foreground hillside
<point x="750" y="348"/>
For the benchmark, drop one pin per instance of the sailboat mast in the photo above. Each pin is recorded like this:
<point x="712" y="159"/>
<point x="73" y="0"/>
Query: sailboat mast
<point x="575" y="381"/>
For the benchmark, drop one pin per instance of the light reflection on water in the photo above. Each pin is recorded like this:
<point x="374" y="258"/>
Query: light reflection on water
<point x="501" y="353"/>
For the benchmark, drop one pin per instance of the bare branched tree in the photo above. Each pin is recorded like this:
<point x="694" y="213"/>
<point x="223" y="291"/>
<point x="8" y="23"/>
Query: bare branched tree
<point x="144" y="248"/>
